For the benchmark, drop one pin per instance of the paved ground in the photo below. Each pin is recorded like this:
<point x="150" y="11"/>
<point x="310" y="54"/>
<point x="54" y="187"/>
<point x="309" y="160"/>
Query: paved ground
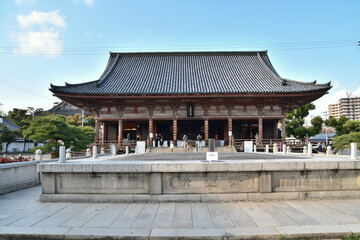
<point x="202" y="156"/>
<point x="23" y="217"/>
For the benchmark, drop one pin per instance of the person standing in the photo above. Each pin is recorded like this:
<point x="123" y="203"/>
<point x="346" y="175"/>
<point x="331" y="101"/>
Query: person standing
<point x="161" y="139"/>
<point x="185" y="139"/>
<point x="199" y="139"/>
<point x="156" y="140"/>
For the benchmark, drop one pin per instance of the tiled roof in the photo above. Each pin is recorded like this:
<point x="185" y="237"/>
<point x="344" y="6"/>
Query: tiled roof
<point x="189" y="73"/>
<point x="10" y="125"/>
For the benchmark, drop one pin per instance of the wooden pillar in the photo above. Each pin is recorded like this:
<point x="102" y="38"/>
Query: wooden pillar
<point x="151" y="130"/>
<point x="120" y="131"/>
<point x="175" y="132"/>
<point x="96" y="130"/>
<point x="283" y="130"/>
<point x="230" y="131"/>
<point x="206" y="124"/>
<point x="260" y="129"/>
<point x="103" y="133"/>
<point x="275" y="129"/>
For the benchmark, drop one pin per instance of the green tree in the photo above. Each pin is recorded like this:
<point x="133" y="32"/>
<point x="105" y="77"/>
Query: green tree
<point x="19" y="116"/>
<point x="53" y="128"/>
<point x="343" y="141"/>
<point x="76" y="120"/>
<point x="23" y="118"/>
<point x="295" y="121"/>
<point x="352" y="126"/>
<point x="7" y="135"/>
<point x="338" y="124"/>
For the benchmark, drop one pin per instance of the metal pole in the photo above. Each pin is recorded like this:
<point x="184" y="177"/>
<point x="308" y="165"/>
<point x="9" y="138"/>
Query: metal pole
<point x="82" y="117"/>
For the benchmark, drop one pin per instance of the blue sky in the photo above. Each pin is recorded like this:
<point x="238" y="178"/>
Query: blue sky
<point x="50" y="41"/>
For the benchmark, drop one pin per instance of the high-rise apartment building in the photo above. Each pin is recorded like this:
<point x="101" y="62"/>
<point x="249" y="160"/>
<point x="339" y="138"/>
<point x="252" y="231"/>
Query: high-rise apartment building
<point x="348" y="107"/>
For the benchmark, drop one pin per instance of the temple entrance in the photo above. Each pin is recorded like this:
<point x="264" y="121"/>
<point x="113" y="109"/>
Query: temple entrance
<point x="165" y="128"/>
<point x="191" y="128"/>
<point x="218" y="129"/>
<point x="245" y="129"/>
<point x="136" y="130"/>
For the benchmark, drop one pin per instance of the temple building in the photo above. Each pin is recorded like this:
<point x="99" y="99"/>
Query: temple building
<point x="221" y="95"/>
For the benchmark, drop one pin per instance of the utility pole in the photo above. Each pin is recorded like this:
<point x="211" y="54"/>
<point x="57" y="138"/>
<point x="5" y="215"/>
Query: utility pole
<point x="326" y="133"/>
<point x="82" y="117"/>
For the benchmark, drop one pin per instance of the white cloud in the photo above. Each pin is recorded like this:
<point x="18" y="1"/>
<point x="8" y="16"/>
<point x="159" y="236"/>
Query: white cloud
<point x="25" y="2"/>
<point x="41" y="34"/>
<point x="42" y="19"/>
<point x="47" y="43"/>
<point x="88" y="3"/>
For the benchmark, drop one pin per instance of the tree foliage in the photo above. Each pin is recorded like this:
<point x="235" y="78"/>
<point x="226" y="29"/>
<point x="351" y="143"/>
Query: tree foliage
<point x="76" y="120"/>
<point x="53" y="128"/>
<point x="338" y="124"/>
<point x="352" y="126"/>
<point x="343" y="141"/>
<point x="295" y="121"/>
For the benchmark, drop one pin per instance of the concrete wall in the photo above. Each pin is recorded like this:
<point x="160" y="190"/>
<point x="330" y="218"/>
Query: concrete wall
<point x="198" y="181"/>
<point x="17" y="146"/>
<point x="15" y="176"/>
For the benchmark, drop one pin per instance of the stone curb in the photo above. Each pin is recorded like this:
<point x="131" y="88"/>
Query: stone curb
<point x="272" y="233"/>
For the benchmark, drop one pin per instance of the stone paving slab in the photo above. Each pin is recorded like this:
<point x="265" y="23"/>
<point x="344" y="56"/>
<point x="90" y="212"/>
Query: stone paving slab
<point x="329" y="219"/>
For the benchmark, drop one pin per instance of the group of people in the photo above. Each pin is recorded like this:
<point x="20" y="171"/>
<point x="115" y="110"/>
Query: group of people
<point x="321" y="147"/>
<point x="159" y="140"/>
<point x="185" y="140"/>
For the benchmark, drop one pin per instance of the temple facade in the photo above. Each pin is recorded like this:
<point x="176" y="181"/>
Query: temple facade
<point x="221" y="95"/>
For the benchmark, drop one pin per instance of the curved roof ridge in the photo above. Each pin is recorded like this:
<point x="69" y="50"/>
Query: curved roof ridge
<point x="70" y="85"/>
<point x="108" y="70"/>
<point x="308" y="83"/>
<point x="112" y="54"/>
<point x="275" y="74"/>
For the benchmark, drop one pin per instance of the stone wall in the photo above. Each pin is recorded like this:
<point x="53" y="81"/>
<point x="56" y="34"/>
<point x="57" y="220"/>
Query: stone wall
<point x="15" y="176"/>
<point x="200" y="181"/>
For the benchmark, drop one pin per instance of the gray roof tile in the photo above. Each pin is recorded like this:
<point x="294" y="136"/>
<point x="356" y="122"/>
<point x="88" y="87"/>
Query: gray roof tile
<point x="189" y="73"/>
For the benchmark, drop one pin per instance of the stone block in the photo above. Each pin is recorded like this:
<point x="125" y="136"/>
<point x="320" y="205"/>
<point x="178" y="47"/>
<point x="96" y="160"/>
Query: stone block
<point x="48" y="184"/>
<point x="324" y="165"/>
<point x="215" y="167"/>
<point x="121" y="168"/>
<point x="347" y="164"/>
<point x="155" y="183"/>
<point x="178" y="167"/>
<point x="102" y="183"/>
<point x="178" y="233"/>
<point x="64" y="167"/>
<point x="314" y="231"/>
<point x="167" y="198"/>
<point x="244" y="166"/>
<point x="333" y="195"/>
<point x="87" y="198"/>
<point x="230" y="197"/>
<point x="210" y="182"/>
<point x="304" y="181"/>
<point x="283" y="166"/>
<point x="265" y="182"/>
<point x="253" y="233"/>
<point x="107" y="233"/>
<point x="273" y="196"/>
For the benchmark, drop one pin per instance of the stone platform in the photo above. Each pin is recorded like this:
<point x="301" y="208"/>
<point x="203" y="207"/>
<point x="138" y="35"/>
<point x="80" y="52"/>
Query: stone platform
<point x="22" y="216"/>
<point x="235" y="177"/>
